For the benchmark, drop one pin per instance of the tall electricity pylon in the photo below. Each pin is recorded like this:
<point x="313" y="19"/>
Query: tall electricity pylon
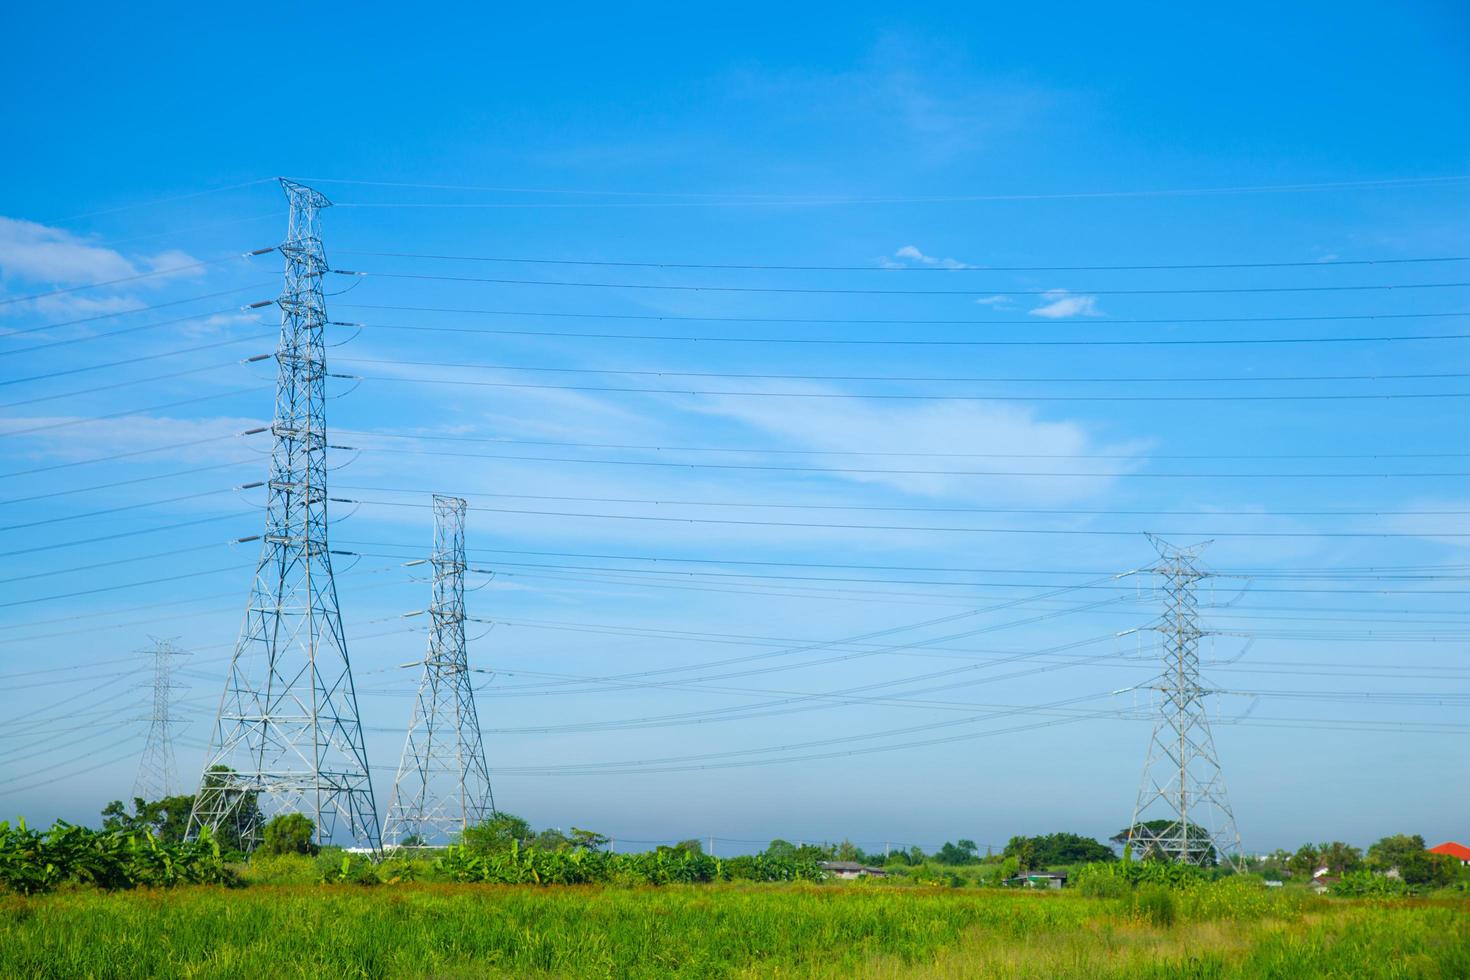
<point x="1182" y="780"/>
<point x="157" y="774"/>
<point x="288" y="737"/>
<point x="443" y="784"/>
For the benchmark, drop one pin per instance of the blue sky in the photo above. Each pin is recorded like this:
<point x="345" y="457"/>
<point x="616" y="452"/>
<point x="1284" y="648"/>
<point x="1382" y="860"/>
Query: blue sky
<point x="867" y="139"/>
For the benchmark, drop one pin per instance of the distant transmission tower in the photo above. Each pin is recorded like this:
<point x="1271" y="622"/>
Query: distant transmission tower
<point x="1182" y="794"/>
<point x="157" y="774"/>
<point x="288" y="737"/>
<point x="443" y="784"/>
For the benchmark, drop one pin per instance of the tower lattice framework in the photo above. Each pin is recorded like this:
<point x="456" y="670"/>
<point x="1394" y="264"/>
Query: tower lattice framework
<point x="157" y="772"/>
<point x="1183" y="788"/>
<point x="443" y="783"/>
<point x="288" y="736"/>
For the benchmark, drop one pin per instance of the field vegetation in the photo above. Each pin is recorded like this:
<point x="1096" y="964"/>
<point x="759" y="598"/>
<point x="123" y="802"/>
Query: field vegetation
<point x="725" y="930"/>
<point x="136" y="899"/>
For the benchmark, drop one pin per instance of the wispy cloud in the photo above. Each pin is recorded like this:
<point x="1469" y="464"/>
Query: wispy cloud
<point x="913" y="254"/>
<point x="1003" y="438"/>
<point x="1059" y="304"/>
<point x="35" y="256"/>
<point x="33" y="252"/>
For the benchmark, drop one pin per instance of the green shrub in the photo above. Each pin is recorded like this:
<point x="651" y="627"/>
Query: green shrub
<point x="1155" y="905"/>
<point x="348" y="869"/>
<point x="289" y="833"/>
<point x="32" y="861"/>
<point x="1366" y="884"/>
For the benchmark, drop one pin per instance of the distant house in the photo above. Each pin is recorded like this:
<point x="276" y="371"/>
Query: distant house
<point x="1322" y="883"/>
<point x="1038" y="879"/>
<point x="1459" y="852"/>
<point x="852" y="869"/>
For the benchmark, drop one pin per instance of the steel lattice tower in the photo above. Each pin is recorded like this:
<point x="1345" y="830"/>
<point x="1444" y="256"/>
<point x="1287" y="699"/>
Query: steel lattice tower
<point x="157" y="774"/>
<point x="1182" y="779"/>
<point x="288" y="734"/>
<point x="443" y="783"/>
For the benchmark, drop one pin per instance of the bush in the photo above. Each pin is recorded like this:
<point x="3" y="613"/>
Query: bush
<point x="1102" y="880"/>
<point x="342" y="868"/>
<point x="33" y="862"/>
<point x="1366" y="884"/>
<point x="518" y="865"/>
<point x="1155" y="905"/>
<point x="289" y="833"/>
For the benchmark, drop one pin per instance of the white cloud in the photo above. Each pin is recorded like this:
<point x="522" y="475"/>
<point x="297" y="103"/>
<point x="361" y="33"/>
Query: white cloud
<point x="988" y="430"/>
<point x="1059" y="304"/>
<point x="997" y="300"/>
<point x="34" y="256"/>
<point x="913" y="254"/>
<point x="36" y="253"/>
<point x="1422" y="520"/>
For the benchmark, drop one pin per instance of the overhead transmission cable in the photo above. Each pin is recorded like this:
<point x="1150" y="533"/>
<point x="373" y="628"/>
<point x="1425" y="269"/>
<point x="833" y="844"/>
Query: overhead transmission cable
<point x="809" y="290"/>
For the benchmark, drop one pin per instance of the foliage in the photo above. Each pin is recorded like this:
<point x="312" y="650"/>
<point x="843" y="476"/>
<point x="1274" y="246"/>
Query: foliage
<point x="1144" y="834"/>
<point x="497" y="833"/>
<point x="719" y="931"/>
<point x="1366" y="884"/>
<point x="1115" y="878"/>
<point x="589" y="840"/>
<point x="960" y="852"/>
<point x="289" y="833"/>
<point x="1335" y="856"/>
<point x="667" y="865"/>
<point x="33" y="861"/>
<point x="167" y="819"/>
<point x="242" y="808"/>
<point x="784" y="850"/>
<point x="1407" y="853"/>
<point x="1052" y="850"/>
<point x="1155" y="905"/>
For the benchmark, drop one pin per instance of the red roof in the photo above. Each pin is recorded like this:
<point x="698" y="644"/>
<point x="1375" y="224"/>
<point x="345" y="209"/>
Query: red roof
<point x="1453" y="850"/>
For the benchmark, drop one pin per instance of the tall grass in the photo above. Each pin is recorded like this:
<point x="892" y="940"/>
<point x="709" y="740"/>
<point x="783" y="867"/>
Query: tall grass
<point x="718" y="930"/>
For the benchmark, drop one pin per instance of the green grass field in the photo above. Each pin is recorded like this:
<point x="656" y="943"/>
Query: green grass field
<point x="722" y="931"/>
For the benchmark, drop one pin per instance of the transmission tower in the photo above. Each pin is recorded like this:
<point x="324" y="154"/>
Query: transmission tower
<point x="157" y="774"/>
<point x="443" y="784"/>
<point x="288" y="737"/>
<point x="1182" y="780"/>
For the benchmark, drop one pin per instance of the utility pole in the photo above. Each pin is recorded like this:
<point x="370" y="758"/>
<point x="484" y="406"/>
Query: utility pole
<point x="443" y="783"/>
<point x="288" y="736"/>
<point x="157" y="773"/>
<point x="1182" y="778"/>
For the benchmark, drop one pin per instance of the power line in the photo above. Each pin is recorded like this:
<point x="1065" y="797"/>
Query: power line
<point x="893" y="379"/>
<point x="905" y="321"/>
<point x="141" y="275"/>
<point x="808" y="290"/>
<point x="131" y="453"/>
<point x="730" y="200"/>
<point x="773" y="451"/>
<point x="953" y="529"/>
<point x="1069" y="512"/>
<point x="885" y="396"/>
<point x="122" y="483"/>
<point x="57" y="546"/>
<point x="889" y="342"/>
<point x="129" y="412"/>
<point x="752" y="266"/>
<point x="166" y="200"/>
<point x="133" y="360"/>
<point x="76" y="392"/>
<point x="116" y="510"/>
<point x="762" y="467"/>
<point x="128" y="312"/>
